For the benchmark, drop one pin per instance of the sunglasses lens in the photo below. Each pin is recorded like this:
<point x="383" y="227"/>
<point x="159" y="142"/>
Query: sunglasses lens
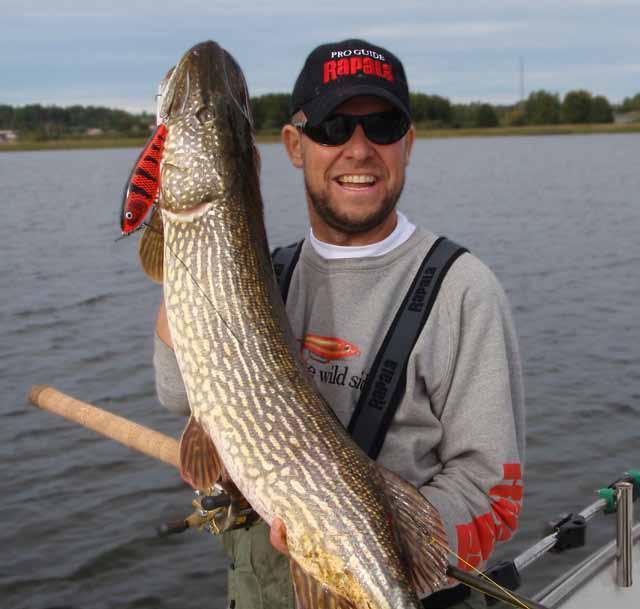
<point x="332" y="131"/>
<point x="380" y="128"/>
<point x="385" y="127"/>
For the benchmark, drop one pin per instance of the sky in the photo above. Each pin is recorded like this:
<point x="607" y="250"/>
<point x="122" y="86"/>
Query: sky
<point x="114" y="53"/>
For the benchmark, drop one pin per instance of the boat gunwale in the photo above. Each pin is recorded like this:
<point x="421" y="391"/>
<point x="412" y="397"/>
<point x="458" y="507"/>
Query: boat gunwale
<point x="567" y="584"/>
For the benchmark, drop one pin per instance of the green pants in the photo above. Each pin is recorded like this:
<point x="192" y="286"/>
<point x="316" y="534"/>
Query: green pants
<point x="259" y="576"/>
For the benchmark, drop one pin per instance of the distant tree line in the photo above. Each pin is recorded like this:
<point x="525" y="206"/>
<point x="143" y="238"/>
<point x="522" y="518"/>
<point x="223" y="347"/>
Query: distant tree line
<point x="631" y="104"/>
<point x="544" y="108"/>
<point x="271" y="111"/>
<point x="50" y="122"/>
<point x="432" y="111"/>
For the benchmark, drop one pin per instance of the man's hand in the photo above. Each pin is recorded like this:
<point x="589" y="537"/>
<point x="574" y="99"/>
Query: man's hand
<point x="278" y="536"/>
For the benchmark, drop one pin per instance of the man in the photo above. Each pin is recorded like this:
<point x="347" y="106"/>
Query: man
<point x="458" y="431"/>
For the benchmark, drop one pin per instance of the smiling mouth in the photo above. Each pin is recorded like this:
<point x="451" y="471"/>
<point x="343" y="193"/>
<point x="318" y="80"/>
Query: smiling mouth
<point x="356" y="180"/>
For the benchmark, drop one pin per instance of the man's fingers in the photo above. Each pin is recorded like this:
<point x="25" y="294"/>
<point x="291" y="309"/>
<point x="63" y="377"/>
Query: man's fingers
<point x="278" y="536"/>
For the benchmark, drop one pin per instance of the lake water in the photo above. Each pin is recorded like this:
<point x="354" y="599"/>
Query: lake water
<point x="557" y="218"/>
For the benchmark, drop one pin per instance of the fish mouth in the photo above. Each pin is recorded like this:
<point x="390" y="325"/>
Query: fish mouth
<point x="190" y="81"/>
<point x="203" y="73"/>
<point x="186" y="216"/>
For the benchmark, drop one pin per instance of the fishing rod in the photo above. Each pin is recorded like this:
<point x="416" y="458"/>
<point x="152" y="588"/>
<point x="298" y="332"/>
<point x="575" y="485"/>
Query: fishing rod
<point x="216" y="511"/>
<point x="212" y="509"/>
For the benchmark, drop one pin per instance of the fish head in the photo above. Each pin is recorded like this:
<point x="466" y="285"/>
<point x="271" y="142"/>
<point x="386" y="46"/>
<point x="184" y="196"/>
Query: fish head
<point x="210" y="143"/>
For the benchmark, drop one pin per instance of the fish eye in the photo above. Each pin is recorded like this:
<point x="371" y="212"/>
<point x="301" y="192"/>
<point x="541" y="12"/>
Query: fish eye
<point x="205" y="115"/>
<point x="129" y="215"/>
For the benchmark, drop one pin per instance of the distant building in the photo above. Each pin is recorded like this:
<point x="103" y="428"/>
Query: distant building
<point x="93" y="131"/>
<point x="7" y="135"/>
<point x="627" y="118"/>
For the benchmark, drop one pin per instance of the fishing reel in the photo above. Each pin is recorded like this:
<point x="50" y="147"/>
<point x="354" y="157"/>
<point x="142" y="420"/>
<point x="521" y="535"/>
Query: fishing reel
<point x="216" y="511"/>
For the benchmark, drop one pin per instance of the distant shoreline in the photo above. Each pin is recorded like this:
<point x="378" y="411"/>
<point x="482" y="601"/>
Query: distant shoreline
<point x="123" y="142"/>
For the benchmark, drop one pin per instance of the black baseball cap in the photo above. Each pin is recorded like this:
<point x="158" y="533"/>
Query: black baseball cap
<point x="337" y="71"/>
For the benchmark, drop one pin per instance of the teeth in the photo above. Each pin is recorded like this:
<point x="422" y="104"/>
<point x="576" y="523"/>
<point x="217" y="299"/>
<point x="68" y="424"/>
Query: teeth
<point x="357" y="179"/>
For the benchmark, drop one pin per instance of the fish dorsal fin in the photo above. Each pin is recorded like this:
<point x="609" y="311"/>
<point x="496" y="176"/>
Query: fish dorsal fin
<point x="200" y="465"/>
<point x="151" y="248"/>
<point x="312" y="594"/>
<point x="420" y="533"/>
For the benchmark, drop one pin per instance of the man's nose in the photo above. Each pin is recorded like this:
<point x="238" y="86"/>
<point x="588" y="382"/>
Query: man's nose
<point x="359" y="146"/>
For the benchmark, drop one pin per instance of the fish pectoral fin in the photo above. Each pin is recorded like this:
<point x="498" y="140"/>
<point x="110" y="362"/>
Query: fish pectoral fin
<point x="151" y="248"/>
<point x="200" y="464"/>
<point x="312" y="594"/>
<point x="420" y="533"/>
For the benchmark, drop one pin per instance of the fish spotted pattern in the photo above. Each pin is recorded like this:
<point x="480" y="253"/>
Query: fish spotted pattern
<point x="277" y="438"/>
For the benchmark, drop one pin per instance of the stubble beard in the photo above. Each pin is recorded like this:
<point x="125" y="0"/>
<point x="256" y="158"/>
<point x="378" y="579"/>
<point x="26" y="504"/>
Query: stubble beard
<point x="332" y="216"/>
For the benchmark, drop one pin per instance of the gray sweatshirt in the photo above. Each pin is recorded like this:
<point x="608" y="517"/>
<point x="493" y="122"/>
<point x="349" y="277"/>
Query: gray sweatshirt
<point x="458" y="434"/>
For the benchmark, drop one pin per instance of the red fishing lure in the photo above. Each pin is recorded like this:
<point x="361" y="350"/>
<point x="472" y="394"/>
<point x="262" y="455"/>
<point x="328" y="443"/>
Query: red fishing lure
<point x="143" y="183"/>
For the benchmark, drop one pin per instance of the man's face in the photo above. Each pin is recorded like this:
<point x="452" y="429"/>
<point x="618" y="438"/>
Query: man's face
<point x="352" y="189"/>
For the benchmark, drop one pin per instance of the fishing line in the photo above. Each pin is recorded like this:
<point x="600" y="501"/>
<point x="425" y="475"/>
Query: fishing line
<point x="150" y="227"/>
<point x="125" y="235"/>
<point x="481" y="575"/>
<point x="213" y="306"/>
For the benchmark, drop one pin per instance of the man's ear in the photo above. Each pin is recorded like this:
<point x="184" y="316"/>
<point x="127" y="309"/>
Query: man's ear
<point x="409" y="139"/>
<point x="292" y="140"/>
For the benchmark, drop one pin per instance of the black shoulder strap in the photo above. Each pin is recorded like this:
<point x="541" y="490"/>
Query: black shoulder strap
<point x="386" y="382"/>
<point x="284" y="261"/>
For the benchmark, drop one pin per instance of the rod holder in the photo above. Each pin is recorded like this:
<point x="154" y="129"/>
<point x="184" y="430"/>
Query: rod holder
<point x="624" y="558"/>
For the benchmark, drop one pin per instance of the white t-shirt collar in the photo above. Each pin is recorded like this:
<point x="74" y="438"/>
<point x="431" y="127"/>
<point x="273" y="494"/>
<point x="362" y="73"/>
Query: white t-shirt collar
<point x="403" y="230"/>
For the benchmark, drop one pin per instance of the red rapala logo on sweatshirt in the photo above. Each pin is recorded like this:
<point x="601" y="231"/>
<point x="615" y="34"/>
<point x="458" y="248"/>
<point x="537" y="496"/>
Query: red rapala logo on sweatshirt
<point x="476" y="539"/>
<point x="327" y="348"/>
<point x="350" y="66"/>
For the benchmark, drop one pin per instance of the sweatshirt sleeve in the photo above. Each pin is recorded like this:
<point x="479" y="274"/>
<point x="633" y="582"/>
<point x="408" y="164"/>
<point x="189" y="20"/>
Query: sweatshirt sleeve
<point x="169" y="386"/>
<point x="480" y="405"/>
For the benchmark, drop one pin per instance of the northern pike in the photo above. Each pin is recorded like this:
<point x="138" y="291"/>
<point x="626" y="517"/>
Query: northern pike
<point x="359" y="536"/>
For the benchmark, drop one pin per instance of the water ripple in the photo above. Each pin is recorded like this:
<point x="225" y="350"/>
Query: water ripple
<point x="79" y="311"/>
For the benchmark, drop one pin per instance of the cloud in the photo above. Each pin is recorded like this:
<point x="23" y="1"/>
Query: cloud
<point x="186" y="8"/>
<point x="569" y="77"/>
<point x="439" y="30"/>
<point x="467" y="49"/>
<point x="437" y="9"/>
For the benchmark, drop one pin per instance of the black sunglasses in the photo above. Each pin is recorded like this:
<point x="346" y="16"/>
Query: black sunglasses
<point x="379" y="127"/>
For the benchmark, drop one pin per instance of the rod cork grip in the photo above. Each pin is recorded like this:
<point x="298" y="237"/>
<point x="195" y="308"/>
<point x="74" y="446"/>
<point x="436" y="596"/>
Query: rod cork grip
<point x="133" y="435"/>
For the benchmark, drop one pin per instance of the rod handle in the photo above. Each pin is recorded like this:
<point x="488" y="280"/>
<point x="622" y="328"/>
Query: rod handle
<point x="135" y="436"/>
